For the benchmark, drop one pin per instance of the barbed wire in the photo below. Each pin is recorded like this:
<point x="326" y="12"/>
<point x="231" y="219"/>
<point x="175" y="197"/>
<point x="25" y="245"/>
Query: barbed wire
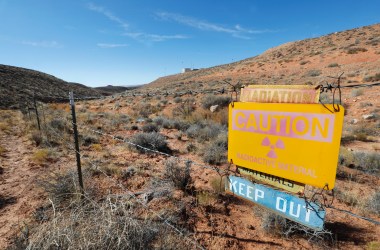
<point x="221" y="172"/>
<point x="180" y="159"/>
<point x="131" y="194"/>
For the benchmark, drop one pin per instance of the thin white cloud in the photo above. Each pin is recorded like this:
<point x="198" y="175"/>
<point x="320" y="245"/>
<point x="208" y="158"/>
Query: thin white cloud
<point x="153" y="37"/>
<point x="108" y="14"/>
<point x="236" y="31"/>
<point x="111" y="45"/>
<point x="139" y="36"/>
<point x="44" y="44"/>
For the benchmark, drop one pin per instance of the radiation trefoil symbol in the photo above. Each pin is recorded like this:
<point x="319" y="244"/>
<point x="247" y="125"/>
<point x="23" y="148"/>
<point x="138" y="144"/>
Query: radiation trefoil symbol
<point x="272" y="153"/>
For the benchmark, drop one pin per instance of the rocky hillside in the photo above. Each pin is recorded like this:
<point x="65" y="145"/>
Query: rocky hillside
<point x="110" y="90"/>
<point x="18" y="85"/>
<point x="355" y="52"/>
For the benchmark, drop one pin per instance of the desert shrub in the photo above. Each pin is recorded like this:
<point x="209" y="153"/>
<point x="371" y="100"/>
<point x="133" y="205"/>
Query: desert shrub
<point x="146" y="109"/>
<point x="153" y="141"/>
<point x="87" y="140"/>
<point x="134" y="127"/>
<point x="368" y="162"/>
<point x="356" y="92"/>
<point x="205" y="131"/>
<point x="373" y="78"/>
<point x="314" y="72"/>
<point x="177" y="174"/>
<point x="181" y="125"/>
<point x="333" y="65"/>
<point x="365" y="104"/>
<point x="348" y="197"/>
<point x="183" y="110"/>
<point x="57" y="124"/>
<point x="214" y="154"/>
<point x="211" y="100"/>
<point x="356" y="50"/>
<point x="150" y="127"/>
<point x="167" y="123"/>
<point x="361" y="132"/>
<point x="190" y="147"/>
<point x="373" y="203"/>
<point x="177" y="99"/>
<point x="159" y="120"/>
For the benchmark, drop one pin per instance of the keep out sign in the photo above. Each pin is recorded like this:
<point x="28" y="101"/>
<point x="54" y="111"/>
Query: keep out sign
<point x="299" y="142"/>
<point x="286" y="205"/>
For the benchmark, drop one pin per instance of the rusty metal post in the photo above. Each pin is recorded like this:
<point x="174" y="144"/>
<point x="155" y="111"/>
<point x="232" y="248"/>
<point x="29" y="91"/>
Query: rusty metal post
<point x="77" y="153"/>
<point x="36" y="110"/>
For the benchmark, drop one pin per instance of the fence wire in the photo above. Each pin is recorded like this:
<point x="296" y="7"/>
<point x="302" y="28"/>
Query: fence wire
<point x="221" y="172"/>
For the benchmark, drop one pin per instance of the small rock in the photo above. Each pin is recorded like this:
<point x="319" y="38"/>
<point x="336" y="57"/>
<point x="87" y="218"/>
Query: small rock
<point x="368" y="117"/>
<point x="354" y="121"/>
<point x="213" y="108"/>
<point x="147" y="197"/>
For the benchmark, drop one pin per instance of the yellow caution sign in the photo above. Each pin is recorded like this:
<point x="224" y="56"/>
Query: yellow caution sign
<point x="292" y="141"/>
<point x="280" y="94"/>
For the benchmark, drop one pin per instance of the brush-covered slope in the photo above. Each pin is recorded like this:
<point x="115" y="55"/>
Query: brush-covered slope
<point x="18" y="85"/>
<point x="355" y="52"/>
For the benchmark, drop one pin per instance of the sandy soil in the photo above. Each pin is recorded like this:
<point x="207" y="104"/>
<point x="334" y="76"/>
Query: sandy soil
<point x="18" y="194"/>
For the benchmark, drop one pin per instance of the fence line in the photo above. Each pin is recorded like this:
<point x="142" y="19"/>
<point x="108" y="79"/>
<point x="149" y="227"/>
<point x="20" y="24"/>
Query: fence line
<point x="219" y="171"/>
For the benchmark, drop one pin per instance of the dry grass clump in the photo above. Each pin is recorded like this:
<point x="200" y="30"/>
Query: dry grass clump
<point x="367" y="162"/>
<point x="279" y="226"/>
<point x="177" y="174"/>
<point x="62" y="188"/>
<point x="43" y="156"/>
<point x="110" y="224"/>
<point x="350" y="198"/>
<point x="216" y="151"/>
<point x="37" y="138"/>
<point x="372" y="205"/>
<point x="356" y="92"/>
<point x="2" y="150"/>
<point x="5" y="127"/>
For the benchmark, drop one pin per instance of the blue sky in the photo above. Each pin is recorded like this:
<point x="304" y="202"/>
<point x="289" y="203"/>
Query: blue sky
<point x="125" y="42"/>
